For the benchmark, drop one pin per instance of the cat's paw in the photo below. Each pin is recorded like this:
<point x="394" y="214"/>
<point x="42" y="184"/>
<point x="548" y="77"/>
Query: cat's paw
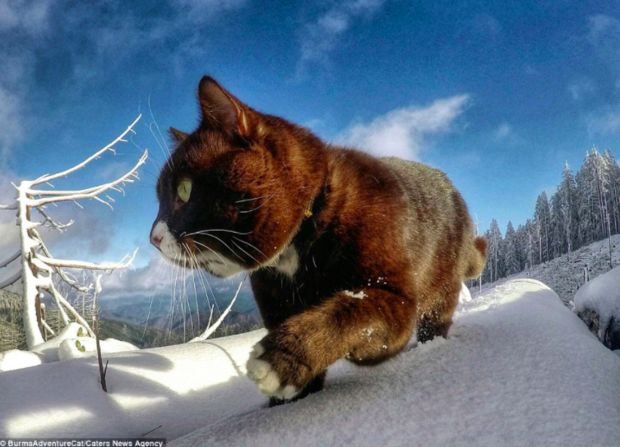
<point x="276" y="373"/>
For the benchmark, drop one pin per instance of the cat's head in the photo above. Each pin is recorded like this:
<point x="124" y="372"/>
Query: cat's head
<point x="234" y="191"/>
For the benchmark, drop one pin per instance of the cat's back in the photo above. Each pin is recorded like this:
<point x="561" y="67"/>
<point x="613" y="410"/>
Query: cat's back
<point x="432" y="197"/>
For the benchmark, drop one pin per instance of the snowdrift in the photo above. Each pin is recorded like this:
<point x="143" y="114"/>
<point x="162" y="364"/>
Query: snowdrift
<point x="598" y="303"/>
<point x="518" y="368"/>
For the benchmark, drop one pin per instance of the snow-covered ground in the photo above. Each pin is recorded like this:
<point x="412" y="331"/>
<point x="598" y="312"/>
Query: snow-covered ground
<point x="518" y="369"/>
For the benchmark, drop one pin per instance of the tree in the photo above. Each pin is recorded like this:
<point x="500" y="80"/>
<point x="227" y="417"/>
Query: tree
<point x="542" y="215"/>
<point x="512" y="263"/>
<point x="41" y="272"/>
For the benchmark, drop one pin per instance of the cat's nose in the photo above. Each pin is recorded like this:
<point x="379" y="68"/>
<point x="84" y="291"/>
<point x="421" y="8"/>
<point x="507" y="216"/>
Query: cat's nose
<point x="156" y="239"/>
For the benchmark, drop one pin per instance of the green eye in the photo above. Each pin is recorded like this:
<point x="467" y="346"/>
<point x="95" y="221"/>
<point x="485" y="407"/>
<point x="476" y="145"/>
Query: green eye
<point x="184" y="190"/>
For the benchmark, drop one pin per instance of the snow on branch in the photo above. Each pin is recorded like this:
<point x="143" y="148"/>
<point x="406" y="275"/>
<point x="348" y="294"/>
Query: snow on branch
<point x="12" y="206"/>
<point x="89" y="193"/>
<point x="108" y="148"/>
<point x="105" y="266"/>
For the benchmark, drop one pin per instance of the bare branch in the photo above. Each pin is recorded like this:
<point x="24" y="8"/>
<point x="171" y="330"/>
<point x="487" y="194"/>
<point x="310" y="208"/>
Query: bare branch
<point x="63" y="301"/>
<point x="54" y="224"/>
<point x="11" y="279"/>
<point x="10" y="259"/>
<point x="66" y="277"/>
<point x="211" y="329"/>
<point x="91" y="193"/>
<point x="107" y="148"/>
<point x="106" y="266"/>
<point x="47" y="328"/>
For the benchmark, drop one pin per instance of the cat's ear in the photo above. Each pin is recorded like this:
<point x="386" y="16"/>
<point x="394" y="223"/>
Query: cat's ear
<point x="177" y="135"/>
<point x="222" y="110"/>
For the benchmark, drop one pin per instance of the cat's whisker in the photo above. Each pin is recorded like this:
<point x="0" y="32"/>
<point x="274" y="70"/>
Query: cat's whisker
<point x="190" y="260"/>
<point x="253" y="209"/>
<point x="210" y="249"/>
<point x="162" y="141"/>
<point x="242" y="233"/>
<point x="254" y="198"/>
<point x="251" y="246"/>
<point x="224" y="244"/>
<point x="248" y="254"/>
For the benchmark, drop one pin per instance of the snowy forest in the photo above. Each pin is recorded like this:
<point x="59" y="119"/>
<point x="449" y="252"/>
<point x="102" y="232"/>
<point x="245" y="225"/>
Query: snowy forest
<point x="584" y="208"/>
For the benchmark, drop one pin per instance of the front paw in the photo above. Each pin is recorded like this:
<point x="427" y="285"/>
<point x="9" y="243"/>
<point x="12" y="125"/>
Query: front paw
<point x="277" y="373"/>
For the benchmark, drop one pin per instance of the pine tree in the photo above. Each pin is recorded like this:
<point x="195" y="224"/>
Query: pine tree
<point x="512" y="263"/>
<point x="542" y="215"/>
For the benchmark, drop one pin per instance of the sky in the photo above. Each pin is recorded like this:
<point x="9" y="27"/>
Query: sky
<point x="499" y="95"/>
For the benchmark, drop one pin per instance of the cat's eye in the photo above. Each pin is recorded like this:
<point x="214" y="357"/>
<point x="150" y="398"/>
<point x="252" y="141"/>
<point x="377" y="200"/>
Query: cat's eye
<point x="184" y="190"/>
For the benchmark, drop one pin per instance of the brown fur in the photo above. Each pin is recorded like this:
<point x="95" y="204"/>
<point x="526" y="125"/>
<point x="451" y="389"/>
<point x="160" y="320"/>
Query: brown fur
<point x="393" y="232"/>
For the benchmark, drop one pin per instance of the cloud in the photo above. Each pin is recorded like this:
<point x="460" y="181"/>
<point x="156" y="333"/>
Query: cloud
<point x="581" y="89"/>
<point x="321" y="36"/>
<point x="23" y="24"/>
<point x="11" y="122"/>
<point x="404" y="132"/>
<point x="29" y="16"/>
<point x="201" y="10"/>
<point x="604" y="121"/>
<point x="603" y="34"/>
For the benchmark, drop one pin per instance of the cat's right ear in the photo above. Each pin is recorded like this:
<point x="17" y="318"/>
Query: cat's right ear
<point x="177" y="135"/>
<point x="222" y="110"/>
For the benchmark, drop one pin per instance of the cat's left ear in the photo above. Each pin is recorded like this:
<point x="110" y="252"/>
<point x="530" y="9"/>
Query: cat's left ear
<point x="222" y="110"/>
<point x="177" y="135"/>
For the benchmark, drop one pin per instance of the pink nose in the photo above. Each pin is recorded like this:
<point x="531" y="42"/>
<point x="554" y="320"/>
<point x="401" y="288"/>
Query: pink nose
<point x="156" y="240"/>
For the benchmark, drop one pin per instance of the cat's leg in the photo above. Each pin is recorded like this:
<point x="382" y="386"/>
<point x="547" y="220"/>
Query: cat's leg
<point x="367" y="327"/>
<point x="437" y="321"/>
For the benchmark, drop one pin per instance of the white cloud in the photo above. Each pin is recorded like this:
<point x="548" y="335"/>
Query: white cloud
<point x="581" y="89"/>
<point x="605" y="121"/>
<point x="404" y="132"/>
<point x="199" y="10"/>
<point x="320" y="37"/>
<point x="30" y="16"/>
<point x="11" y="122"/>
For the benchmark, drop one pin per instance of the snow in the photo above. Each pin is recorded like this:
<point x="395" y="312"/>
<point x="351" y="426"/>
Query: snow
<point x="68" y="344"/>
<point x="518" y="368"/>
<point x="601" y="295"/>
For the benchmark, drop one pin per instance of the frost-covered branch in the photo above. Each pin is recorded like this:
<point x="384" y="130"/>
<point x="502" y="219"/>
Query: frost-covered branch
<point x="104" y="266"/>
<point x="53" y="223"/>
<point x="90" y="193"/>
<point x="108" y="148"/>
<point x="212" y="328"/>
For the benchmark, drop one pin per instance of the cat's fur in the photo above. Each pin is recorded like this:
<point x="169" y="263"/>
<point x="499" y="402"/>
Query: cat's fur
<point x="348" y="254"/>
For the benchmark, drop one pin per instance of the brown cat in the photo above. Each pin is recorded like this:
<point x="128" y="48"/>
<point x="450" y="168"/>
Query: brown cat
<point x="347" y="254"/>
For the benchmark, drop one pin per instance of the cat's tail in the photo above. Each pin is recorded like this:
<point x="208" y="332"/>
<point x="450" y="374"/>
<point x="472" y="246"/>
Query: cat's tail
<point x="477" y="258"/>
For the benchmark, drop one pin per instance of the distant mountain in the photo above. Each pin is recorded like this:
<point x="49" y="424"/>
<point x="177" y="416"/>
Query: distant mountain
<point x="160" y="320"/>
<point x="145" y="321"/>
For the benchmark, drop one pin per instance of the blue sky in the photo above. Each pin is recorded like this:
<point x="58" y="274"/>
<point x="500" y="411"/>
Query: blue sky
<point x="497" y="94"/>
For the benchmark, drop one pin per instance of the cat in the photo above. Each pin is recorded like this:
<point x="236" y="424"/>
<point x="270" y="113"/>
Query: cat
<point x="347" y="254"/>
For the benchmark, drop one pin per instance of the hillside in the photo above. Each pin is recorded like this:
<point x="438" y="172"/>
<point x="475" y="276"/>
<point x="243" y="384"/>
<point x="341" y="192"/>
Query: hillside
<point x="11" y="334"/>
<point x="565" y="275"/>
